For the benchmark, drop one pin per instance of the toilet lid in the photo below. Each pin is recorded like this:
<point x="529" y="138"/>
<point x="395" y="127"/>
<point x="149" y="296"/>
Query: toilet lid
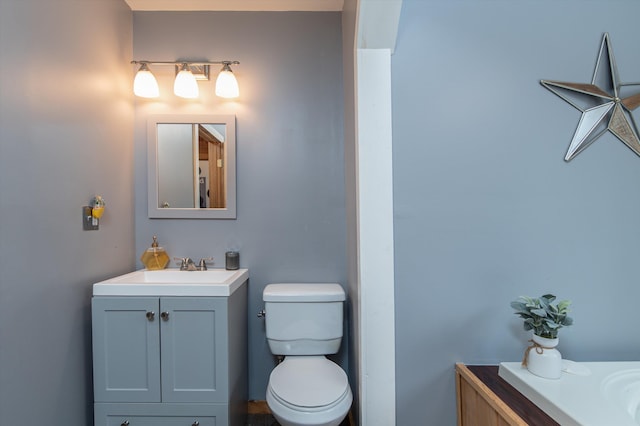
<point x="308" y="381"/>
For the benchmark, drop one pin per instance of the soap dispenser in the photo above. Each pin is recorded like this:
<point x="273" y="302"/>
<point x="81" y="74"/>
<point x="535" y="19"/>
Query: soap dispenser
<point x="155" y="257"/>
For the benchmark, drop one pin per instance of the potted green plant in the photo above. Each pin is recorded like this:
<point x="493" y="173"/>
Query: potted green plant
<point x="544" y="318"/>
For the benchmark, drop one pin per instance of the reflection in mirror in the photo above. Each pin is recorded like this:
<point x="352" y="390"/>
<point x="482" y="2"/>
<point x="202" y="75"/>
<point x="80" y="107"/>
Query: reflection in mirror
<point x="191" y="166"/>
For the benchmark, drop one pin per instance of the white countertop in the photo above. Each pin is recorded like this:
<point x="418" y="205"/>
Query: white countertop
<point x="173" y="282"/>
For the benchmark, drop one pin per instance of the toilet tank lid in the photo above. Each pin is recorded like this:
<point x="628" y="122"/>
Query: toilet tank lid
<point x="307" y="292"/>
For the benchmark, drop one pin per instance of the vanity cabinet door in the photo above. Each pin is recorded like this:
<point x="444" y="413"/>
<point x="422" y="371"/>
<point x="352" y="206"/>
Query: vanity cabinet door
<point x="126" y="349"/>
<point x="194" y="349"/>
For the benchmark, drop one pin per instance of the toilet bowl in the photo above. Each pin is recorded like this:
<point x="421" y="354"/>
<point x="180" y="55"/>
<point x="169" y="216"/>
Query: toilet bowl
<point x="308" y="390"/>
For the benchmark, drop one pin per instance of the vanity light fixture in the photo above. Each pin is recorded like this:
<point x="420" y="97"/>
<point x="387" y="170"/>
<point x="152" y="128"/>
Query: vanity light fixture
<point x="145" y="84"/>
<point x="187" y="74"/>
<point x="185" y="84"/>
<point x="226" y="83"/>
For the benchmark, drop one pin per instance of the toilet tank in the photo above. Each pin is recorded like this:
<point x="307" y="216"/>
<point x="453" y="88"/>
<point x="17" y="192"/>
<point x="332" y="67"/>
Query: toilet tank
<point x="304" y="319"/>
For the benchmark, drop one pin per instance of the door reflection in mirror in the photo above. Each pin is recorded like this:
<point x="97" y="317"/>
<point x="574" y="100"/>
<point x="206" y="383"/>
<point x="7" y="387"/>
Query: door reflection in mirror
<point x="211" y="139"/>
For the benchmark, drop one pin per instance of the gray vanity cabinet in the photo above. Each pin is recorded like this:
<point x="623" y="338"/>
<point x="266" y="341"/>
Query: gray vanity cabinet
<point x="174" y="361"/>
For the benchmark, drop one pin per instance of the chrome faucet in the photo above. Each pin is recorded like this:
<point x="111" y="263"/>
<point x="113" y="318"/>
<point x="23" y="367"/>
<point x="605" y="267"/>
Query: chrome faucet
<point x="187" y="264"/>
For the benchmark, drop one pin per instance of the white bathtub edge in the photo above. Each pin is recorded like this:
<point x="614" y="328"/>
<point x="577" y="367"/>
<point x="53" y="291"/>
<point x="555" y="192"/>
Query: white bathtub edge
<point x="509" y="372"/>
<point x="571" y="400"/>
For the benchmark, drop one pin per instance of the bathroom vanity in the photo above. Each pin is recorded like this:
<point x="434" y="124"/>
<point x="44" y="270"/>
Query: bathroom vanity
<point x="170" y="348"/>
<point x="485" y="399"/>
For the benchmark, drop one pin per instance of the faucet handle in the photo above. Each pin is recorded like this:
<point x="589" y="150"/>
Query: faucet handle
<point x="183" y="262"/>
<point x="202" y="265"/>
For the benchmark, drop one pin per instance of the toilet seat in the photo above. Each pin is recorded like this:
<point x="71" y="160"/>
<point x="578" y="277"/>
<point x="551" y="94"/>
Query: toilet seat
<point x="308" y="383"/>
<point x="301" y="409"/>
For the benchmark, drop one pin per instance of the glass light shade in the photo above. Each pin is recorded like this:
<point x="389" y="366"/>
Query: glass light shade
<point x="185" y="84"/>
<point x="145" y="84"/>
<point x="226" y="84"/>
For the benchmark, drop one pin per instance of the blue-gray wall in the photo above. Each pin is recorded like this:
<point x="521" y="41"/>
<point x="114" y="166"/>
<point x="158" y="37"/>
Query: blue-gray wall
<point x="66" y="133"/>
<point x="291" y="220"/>
<point x="485" y="207"/>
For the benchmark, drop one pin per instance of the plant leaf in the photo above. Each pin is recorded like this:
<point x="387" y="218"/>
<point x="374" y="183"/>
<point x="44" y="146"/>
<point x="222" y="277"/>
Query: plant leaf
<point x="539" y="312"/>
<point x="564" y="305"/>
<point x="518" y="306"/>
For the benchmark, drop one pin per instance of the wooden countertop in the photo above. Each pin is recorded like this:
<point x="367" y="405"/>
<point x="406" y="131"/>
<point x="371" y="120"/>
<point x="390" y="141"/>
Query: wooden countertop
<point x="523" y="407"/>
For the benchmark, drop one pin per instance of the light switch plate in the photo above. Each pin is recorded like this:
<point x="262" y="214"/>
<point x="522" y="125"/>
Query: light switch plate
<point x="87" y="220"/>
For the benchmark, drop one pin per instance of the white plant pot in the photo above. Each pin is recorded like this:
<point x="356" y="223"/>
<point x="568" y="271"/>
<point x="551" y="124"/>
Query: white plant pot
<point x="545" y="360"/>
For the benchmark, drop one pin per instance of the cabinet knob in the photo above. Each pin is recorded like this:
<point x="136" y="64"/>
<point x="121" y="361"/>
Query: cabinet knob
<point x="164" y="316"/>
<point x="196" y="423"/>
<point x="151" y="315"/>
<point x="125" y="423"/>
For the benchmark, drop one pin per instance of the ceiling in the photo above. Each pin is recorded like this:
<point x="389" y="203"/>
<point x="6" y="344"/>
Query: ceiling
<point x="238" y="5"/>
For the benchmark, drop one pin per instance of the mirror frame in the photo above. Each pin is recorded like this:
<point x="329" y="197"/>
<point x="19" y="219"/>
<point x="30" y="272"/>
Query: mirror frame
<point x="156" y="212"/>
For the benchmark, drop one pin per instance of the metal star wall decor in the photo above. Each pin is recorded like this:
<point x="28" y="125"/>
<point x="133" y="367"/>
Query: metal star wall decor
<point x="602" y="104"/>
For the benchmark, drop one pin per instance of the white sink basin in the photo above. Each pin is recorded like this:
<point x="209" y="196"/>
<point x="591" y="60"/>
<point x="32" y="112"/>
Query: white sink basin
<point x="623" y="389"/>
<point x="173" y="282"/>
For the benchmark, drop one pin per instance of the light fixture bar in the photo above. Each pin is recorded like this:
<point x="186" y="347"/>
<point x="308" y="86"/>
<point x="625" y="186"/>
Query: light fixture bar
<point x="187" y="74"/>
<point x="200" y="72"/>
<point x="186" y="62"/>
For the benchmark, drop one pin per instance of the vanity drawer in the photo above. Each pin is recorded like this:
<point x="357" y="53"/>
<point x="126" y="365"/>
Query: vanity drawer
<point x="160" y="421"/>
<point x="113" y="414"/>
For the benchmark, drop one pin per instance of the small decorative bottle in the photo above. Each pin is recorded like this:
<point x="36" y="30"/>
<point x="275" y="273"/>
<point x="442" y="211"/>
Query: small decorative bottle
<point x="155" y="257"/>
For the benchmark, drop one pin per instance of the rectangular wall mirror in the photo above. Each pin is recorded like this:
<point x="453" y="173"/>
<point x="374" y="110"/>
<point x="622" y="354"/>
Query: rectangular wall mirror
<point x="192" y="166"/>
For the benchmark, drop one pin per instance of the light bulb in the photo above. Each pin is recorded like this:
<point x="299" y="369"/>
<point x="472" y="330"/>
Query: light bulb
<point x="185" y="84"/>
<point x="145" y="84"/>
<point x="226" y="83"/>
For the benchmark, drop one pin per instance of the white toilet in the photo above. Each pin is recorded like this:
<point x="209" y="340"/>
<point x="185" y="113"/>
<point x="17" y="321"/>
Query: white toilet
<point x="304" y="323"/>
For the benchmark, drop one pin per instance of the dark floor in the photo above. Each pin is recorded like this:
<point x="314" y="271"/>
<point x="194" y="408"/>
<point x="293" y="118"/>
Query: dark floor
<point x="261" y="420"/>
<point x="268" y="420"/>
